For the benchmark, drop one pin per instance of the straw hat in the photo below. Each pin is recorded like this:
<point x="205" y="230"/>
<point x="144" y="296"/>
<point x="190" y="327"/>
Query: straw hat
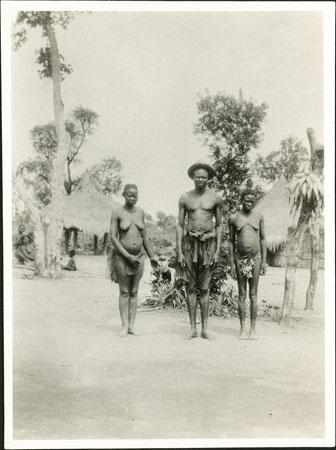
<point x="201" y="164"/>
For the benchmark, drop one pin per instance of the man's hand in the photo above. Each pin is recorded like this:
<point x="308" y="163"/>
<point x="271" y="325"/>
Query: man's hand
<point x="133" y="260"/>
<point x="215" y="259"/>
<point x="233" y="272"/>
<point x="181" y="260"/>
<point x="154" y="261"/>
<point x="263" y="269"/>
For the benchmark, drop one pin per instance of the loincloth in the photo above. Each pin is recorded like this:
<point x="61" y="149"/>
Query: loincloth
<point x="198" y="249"/>
<point x="119" y="267"/>
<point x="246" y="264"/>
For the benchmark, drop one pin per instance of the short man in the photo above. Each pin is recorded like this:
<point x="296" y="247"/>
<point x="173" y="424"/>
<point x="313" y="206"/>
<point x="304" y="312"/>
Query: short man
<point x="247" y="257"/>
<point x="198" y="242"/>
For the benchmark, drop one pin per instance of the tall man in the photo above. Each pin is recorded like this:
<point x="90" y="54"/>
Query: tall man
<point x="247" y="256"/>
<point x="198" y="241"/>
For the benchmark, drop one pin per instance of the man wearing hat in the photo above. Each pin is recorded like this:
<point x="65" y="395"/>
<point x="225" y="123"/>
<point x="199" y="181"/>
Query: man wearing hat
<point x="198" y="241"/>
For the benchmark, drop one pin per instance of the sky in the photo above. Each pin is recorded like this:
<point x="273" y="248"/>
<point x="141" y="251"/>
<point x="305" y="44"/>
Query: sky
<point x="142" y="73"/>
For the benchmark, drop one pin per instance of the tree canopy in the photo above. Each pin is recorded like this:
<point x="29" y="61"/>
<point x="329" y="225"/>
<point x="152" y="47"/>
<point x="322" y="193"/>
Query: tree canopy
<point x="285" y="161"/>
<point x="230" y="128"/>
<point x="37" y="172"/>
<point x="107" y="175"/>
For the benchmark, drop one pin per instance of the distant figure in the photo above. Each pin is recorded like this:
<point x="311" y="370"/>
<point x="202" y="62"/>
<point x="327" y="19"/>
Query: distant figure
<point x="24" y="247"/>
<point x="198" y="241"/>
<point x="165" y="275"/>
<point x="71" y="263"/>
<point x="130" y="242"/>
<point x="247" y="257"/>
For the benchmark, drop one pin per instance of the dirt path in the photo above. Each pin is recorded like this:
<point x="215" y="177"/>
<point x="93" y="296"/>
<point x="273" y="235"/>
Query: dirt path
<point x="75" y="379"/>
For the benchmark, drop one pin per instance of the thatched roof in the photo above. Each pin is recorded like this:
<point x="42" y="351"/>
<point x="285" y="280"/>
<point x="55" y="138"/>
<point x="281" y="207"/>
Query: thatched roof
<point x="88" y="209"/>
<point x="275" y="207"/>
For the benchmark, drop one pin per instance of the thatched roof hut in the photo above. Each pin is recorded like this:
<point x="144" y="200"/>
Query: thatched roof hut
<point x="276" y="209"/>
<point x="87" y="208"/>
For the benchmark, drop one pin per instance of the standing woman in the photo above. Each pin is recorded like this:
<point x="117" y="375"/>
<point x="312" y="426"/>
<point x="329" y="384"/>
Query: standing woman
<point x="130" y="245"/>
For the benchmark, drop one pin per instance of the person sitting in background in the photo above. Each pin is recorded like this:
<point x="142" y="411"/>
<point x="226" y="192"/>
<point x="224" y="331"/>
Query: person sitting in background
<point x="165" y="275"/>
<point x="24" y="248"/>
<point x="71" y="263"/>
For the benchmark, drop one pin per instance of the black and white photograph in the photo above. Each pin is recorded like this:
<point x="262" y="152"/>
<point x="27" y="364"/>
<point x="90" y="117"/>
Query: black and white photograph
<point x="168" y="224"/>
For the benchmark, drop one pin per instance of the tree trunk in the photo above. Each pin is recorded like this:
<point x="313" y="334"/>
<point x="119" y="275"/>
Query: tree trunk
<point x="95" y="245"/>
<point x="54" y="232"/>
<point x="105" y="244"/>
<point x="314" y="263"/>
<point x="314" y="236"/>
<point x="294" y="249"/>
<point x="38" y="228"/>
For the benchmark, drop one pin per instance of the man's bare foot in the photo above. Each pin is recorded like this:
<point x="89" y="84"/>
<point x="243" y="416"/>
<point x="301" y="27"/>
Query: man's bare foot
<point x="253" y="336"/>
<point x="243" y="336"/>
<point x="123" y="332"/>
<point x="206" y="335"/>
<point x="133" y="332"/>
<point x="192" y="334"/>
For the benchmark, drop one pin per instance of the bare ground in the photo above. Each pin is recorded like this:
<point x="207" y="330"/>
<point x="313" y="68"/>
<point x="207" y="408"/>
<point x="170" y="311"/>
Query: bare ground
<point x="75" y="379"/>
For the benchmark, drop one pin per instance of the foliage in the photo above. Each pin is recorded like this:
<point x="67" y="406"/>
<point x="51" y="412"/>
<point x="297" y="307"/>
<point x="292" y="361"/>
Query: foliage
<point x="44" y="60"/>
<point x="37" y="172"/>
<point x="230" y="128"/>
<point x="225" y="303"/>
<point x="306" y="194"/>
<point x="166" y="295"/>
<point x="162" y="233"/>
<point x="222" y="304"/>
<point x="284" y="161"/>
<point x="34" y="19"/>
<point x="107" y="175"/>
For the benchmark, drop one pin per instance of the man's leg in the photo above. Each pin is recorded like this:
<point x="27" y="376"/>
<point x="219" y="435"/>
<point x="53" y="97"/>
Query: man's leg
<point x="124" y="294"/>
<point x="192" y="305"/>
<point x="253" y="291"/>
<point x="204" y="301"/>
<point x="241" y="301"/>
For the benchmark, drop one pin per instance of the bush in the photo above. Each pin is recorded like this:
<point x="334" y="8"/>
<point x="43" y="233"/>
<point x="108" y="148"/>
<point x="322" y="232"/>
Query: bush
<point x="224" y="303"/>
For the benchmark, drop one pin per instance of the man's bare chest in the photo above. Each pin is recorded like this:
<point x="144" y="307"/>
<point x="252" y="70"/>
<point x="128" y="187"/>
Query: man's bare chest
<point x="200" y="204"/>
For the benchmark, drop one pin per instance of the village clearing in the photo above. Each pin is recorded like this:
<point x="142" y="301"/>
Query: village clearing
<point x="74" y="378"/>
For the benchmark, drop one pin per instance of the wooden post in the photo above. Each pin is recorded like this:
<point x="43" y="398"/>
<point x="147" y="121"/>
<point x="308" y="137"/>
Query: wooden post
<point x="95" y="244"/>
<point x="314" y="263"/>
<point x="105" y="244"/>
<point x="66" y="240"/>
<point x="75" y="238"/>
<point x="294" y="247"/>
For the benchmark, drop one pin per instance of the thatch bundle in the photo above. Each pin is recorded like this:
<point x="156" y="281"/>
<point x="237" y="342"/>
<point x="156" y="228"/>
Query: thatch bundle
<point x="88" y="209"/>
<point x="276" y="209"/>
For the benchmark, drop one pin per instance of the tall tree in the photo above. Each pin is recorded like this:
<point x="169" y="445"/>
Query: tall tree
<point x="307" y="200"/>
<point x="285" y="161"/>
<point x="230" y="128"/>
<point x="53" y="68"/>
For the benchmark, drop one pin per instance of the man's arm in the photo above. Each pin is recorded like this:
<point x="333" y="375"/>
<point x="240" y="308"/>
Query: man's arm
<point x="180" y="229"/>
<point x="147" y="246"/>
<point x="263" y="246"/>
<point x="219" y="227"/>
<point x="232" y="246"/>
